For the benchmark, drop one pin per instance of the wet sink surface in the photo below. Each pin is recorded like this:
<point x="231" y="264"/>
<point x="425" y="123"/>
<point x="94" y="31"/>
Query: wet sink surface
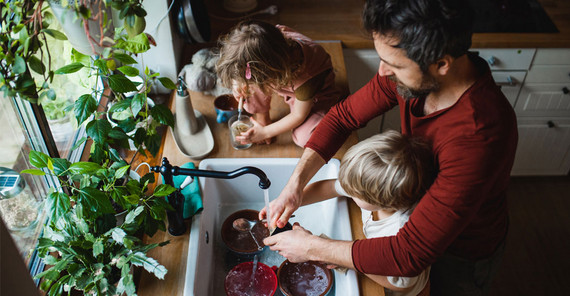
<point x="209" y="259"/>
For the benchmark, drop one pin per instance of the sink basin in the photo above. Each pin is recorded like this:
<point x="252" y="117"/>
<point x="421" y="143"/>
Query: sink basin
<point x="209" y="259"/>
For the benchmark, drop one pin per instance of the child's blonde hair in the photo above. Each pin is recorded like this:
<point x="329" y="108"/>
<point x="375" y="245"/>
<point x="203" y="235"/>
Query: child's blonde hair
<point x="264" y="48"/>
<point x="389" y="170"/>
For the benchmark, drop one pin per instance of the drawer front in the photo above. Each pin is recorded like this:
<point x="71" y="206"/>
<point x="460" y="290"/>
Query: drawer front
<point x="543" y="100"/>
<point x="543" y="148"/>
<point x="510" y="83"/>
<point x="549" y="74"/>
<point x="552" y="56"/>
<point x="507" y="59"/>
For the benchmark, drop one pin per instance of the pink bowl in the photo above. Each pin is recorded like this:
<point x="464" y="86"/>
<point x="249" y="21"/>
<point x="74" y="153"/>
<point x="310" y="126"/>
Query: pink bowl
<point x="239" y="280"/>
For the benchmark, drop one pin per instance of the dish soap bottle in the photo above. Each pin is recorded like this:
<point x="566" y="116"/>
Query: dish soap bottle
<point x="186" y="122"/>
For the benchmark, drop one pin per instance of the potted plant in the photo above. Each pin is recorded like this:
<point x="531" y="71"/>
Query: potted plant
<point x="89" y="251"/>
<point x="95" y="252"/>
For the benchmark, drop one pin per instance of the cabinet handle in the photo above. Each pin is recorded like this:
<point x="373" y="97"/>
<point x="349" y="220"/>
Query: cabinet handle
<point x="491" y="60"/>
<point x="510" y="82"/>
<point x="551" y="124"/>
<point x="565" y="90"/>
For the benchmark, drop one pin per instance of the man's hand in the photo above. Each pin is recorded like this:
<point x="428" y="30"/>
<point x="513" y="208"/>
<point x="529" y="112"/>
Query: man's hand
<point x="294" y="244"/>
<point x="300" y="245"/>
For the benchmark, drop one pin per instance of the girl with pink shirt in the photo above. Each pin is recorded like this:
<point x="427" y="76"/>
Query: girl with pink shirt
<point x="258" y="59"/>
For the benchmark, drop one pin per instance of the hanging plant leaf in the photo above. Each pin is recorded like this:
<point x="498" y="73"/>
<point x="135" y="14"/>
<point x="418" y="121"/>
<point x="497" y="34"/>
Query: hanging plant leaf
<point x="124" y="58"/>
<point x="84" y="108"/>
<point x="163" y="190"/>
<point x="137" y="44"/>
<point x="19" y="66"/>
<point x="129" y="71"/>
<point x="55" y="34"/>
<point x="166" y="82"/>
<point x="71" y="68"/>
<point x="152" y="143"/>
<point x="163" y="115"/>
<point x="120" y="83"/>
<point x="60" y="166"/>
<point x="36" y="65"/>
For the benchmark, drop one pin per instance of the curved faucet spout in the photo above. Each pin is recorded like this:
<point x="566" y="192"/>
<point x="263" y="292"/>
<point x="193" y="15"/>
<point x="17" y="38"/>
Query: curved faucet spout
<point x="264" y="182"/>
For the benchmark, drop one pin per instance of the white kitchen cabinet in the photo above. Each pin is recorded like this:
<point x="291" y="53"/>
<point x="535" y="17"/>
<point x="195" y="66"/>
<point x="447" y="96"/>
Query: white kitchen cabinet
<point x="544" y="146"/>
<point x="543" y="114"/>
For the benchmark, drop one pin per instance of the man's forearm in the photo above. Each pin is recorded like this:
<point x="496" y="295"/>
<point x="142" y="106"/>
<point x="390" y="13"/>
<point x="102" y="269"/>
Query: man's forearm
<point x="331" y="251"/>
<point x="306" y="168"/>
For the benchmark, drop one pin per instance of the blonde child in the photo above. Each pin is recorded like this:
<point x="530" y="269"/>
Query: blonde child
<point x="385" y="175"/>
<point x="258" y="59"/>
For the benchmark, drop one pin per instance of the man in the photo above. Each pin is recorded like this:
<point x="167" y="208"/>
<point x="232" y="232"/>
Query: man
<point x="447" y="96"/>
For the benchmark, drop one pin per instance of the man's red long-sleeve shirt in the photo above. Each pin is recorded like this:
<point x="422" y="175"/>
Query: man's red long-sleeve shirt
<point x="473" y="142"/>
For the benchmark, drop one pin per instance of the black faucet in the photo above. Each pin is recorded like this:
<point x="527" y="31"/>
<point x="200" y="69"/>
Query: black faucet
<point x="176" y="224"/>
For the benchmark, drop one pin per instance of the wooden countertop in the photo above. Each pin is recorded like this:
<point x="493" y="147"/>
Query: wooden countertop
<point x="174" y="255"/>
<point x="340" y="20"/>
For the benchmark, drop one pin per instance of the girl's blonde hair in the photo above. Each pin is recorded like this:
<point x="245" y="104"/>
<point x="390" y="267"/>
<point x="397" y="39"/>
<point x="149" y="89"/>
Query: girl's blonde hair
<point x="389" y="170"/>
<point x="264" y="48"/>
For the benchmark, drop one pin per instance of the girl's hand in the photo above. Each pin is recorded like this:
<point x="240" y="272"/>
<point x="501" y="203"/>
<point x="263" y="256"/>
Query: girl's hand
<point x="255" y="134"/>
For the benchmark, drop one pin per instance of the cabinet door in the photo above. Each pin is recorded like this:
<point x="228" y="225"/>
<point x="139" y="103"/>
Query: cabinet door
<point x="543" y="148"/>
<point x="544" y="100"/>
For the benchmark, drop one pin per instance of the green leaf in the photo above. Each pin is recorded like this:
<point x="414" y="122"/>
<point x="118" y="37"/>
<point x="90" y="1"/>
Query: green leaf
<point x="76" y="56"/>
<point x="50" y="93"/>
<point x="19" y="66"/>
<point x="163" y="190"/>
<point x="84" y="167"/>
<point x="120" y="107"/>
<point x="60" y="165"/>
<point x="84" y="107"/>
<point x="98" y="130"/>
<point x="150" y="264"/>
<point x="118" y="235"/>
<point x="34" y="172"/>
<point x="55" y="34"/>
<point x="122" y="171"/>
<point x="120" y="83"/>
<point x="98" y="248"/>
<point x="137" y="44"/>
<point x="71" y="68"/>
<point x="133" y="214"/>
<point x="163" y="115"/>
<point x="129" y="71"/>
<point x="36" y="65"/>
<point x="124" y="58"/>
<point x="58" y="204"/>
<point x="166" y="82"/>
<point x="38" y="159"/>
<point x="95" y="202"/>
<point x="118" y="133"/>
<point x="138" y="103"/>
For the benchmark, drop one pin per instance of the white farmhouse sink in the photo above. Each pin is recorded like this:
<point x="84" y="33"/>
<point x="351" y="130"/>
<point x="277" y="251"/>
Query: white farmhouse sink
<point x="208" y="258"/>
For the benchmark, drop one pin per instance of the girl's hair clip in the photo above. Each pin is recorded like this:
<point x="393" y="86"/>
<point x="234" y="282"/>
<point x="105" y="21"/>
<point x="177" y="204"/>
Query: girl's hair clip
<point x="247" y="72"/>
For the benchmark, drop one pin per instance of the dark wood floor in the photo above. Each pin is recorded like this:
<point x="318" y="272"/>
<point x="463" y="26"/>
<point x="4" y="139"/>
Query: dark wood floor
<point x="537" y="255"/>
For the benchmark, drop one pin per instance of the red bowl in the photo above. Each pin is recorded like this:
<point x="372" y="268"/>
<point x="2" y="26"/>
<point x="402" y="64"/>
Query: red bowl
<point x="239" y="280"/>
<point x="307" y="278"/>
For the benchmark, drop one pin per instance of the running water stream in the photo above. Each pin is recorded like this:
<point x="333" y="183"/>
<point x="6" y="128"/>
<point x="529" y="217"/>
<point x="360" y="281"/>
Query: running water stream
<point x="266" y="196"/>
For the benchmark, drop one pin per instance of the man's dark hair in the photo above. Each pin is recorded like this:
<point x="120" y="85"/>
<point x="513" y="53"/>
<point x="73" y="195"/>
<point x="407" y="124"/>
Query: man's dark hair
<point x="427" y="29"/>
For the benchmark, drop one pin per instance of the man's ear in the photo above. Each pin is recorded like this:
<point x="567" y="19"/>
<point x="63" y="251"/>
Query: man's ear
<point x="441" y="67"/>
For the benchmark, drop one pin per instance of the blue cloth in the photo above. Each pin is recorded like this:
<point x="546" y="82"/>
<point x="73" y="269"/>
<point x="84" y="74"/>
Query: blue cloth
<point x="192" y="196"/>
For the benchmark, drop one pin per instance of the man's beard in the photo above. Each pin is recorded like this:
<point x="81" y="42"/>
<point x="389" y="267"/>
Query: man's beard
<point x="428" y="85"/>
